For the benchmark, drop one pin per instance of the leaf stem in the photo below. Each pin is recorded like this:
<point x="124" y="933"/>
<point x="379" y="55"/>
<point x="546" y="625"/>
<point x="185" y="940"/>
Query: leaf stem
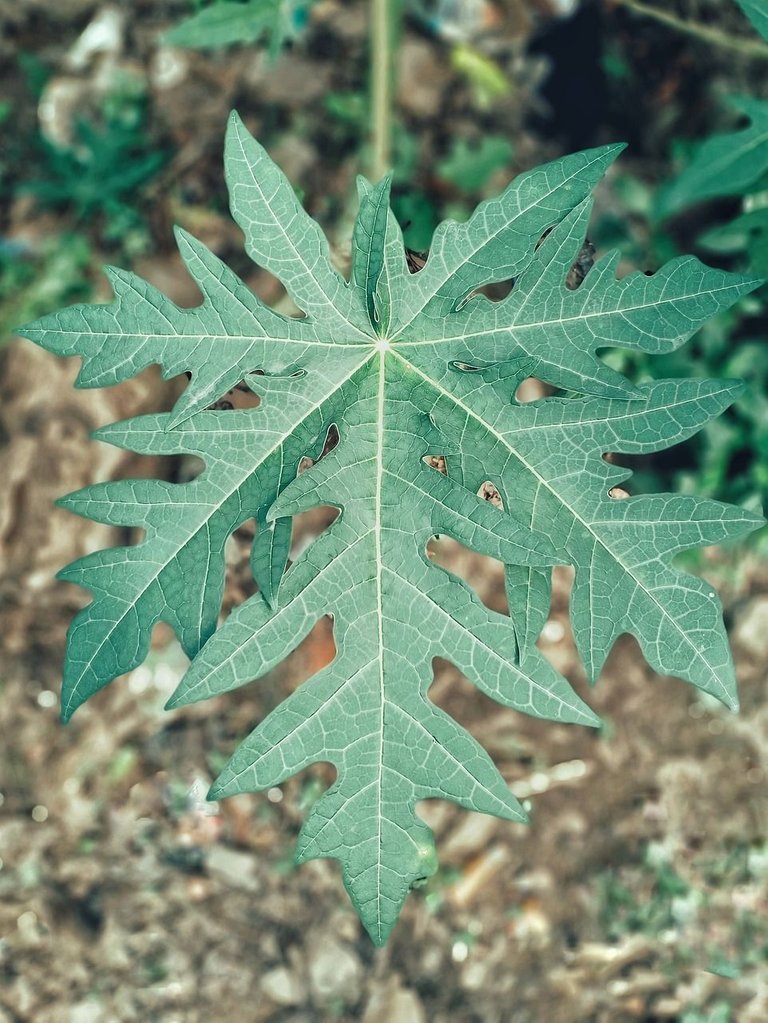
<point x="381" y="87"/>
<point x="746" y="47"/>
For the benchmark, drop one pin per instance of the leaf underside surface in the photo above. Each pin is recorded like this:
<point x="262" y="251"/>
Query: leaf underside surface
<point x="405" y="366"/>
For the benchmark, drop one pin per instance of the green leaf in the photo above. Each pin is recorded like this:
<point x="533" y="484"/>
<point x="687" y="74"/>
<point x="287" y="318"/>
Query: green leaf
<point x="225" y="24"/>
<point x="724" y="164"/>
<point x="405" y="367"/>
<point x="757" y="12"/>
<point x="745" y="233"/>
<point x="469" y="167"/>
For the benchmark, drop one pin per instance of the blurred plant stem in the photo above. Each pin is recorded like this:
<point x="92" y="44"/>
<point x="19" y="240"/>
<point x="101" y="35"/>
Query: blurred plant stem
<point x="747" y="47"/>
<point x="383" y="28"/>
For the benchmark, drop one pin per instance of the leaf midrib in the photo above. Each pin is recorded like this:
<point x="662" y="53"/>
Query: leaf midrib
<point x="380" y="436"/>
<point x="556" y="321"/>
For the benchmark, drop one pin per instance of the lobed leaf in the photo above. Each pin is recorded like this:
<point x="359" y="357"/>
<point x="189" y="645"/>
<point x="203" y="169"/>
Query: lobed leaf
<point x="405" y="367"/>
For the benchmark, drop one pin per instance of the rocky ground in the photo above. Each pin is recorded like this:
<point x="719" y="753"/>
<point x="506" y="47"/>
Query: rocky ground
<point x="638" y="893"/>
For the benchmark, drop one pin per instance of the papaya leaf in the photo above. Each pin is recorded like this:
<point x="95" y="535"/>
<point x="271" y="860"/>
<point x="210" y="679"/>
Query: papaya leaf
<point x="724" y="164"/>
<point x="757" y="12"/>
<point x="405" y="366"/>
<point x="230" y="23"/>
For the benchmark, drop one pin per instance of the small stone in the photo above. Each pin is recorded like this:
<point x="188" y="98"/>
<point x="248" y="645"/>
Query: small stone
<point x="61" y="99"/>
<point x="169" y="68"/>
<point x="233" y="867"/>
<point x="103" y="36"/>
<point x="283" y="987"/>
<point x="751" y="630"/>
<point x="533" y="927"/>
<point x="668" y="1008"/>
<point x="474" y="976"/>
<point x="473" y="834"/>
<point x="480" y="875"/>
<point x="334" y="972"/>
<point x="392" y="1003"/>
<point x="86" y="1012"/>
<point x="421" y="76"/>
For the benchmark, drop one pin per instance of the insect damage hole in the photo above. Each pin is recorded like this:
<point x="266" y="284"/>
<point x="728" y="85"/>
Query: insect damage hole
<point x="484" y="575"/>
<point x="308" y="526"/>
<point x="239" y="398"/>
<point x="489" y="493"/>
<point x="437" y="462"/>
<point x="532" y="389"/>
<point x="330" y="442"/>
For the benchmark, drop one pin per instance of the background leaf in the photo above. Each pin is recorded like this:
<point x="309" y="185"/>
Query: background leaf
<point x="757" y="13"/>
<point x="227" y="24"/>
<point x="724" y="164"/>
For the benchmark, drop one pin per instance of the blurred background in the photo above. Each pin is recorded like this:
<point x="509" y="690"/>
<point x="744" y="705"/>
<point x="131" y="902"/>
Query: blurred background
<point x="638" y="893"/>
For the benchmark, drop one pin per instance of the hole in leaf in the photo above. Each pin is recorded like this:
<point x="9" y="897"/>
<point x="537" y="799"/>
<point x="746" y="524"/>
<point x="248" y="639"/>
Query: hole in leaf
<point x="484" y="575"/>
<point x="584" y="263"/>
<point x="532" y="389"/>
<point x="581" y="265"/>
<point x="238" y="398"/>
<point x="416" y="260"/>
<point x="331" y="441"/>
<point x="488" y="492"/>
<point x="239" y="583"/>
<point x="308" y="526"/>
<point x="436" y="462"/>
<point x="497" y="291"/>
